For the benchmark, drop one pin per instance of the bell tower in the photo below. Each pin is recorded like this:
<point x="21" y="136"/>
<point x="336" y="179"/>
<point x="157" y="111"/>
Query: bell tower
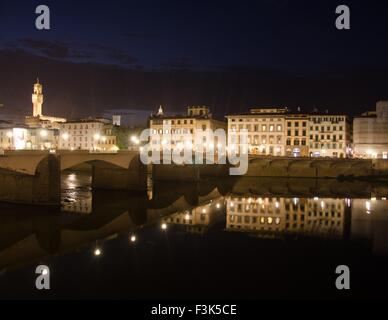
<point x="37" y="99"/>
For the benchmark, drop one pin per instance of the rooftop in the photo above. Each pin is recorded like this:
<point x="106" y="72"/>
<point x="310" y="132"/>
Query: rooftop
<point x="285" y="112"/>
<point x="89" y="120"/>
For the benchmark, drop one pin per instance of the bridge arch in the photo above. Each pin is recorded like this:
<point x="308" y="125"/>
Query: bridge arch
<point x="25" y="162"/>
<point x="121" y="160"/>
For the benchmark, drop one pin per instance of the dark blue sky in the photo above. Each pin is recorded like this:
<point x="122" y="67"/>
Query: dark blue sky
<point x="281" y="34"/>
<point x="227" y="55"/>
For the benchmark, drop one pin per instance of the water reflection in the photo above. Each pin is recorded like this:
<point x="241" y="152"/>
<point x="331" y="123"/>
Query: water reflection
<point x="198" y="219"/>
<point x="369" y="222"/>
<point x="283" y="209"/>
<point x="76" y="194"/>
<point x="276" y="216"/>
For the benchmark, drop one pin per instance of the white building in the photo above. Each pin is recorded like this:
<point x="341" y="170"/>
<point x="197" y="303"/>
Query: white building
<point x="23" y="138"/>
<point x="330" y="136"/>
<point x="87" y="134"/>
<point x="13" y="138"/>
<point x="370" y="133"/>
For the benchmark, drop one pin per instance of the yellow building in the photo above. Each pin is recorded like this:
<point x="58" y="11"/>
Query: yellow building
<point x="330" y="135"/>
<point x="297" y="126"/>
<point x="180" y="130"/>
<point x="265" y="129"/>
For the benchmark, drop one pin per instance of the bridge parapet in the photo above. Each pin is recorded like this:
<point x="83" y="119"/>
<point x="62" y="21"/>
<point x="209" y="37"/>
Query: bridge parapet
<point x="121" y="159"/>
<point x="24" y="162"/>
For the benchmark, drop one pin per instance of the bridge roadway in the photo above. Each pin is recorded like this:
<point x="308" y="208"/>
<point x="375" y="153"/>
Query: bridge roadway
<point x="33" y="177"/>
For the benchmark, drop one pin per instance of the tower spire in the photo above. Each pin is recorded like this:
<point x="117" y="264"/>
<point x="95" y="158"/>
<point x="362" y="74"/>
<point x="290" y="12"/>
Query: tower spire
<point x="37" y="99"/>
<point x="160" y="111"/>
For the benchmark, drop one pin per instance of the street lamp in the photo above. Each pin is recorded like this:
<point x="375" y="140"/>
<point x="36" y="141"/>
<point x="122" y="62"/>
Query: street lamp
<point x="43" y="133"/>
<point x="135" y="140"/>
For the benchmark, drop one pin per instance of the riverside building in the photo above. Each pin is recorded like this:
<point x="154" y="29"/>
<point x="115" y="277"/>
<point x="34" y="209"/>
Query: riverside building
<point x="280" y="132"/>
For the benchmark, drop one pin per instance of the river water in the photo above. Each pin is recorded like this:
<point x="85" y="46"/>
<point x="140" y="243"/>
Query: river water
<point x="234" y="238"/>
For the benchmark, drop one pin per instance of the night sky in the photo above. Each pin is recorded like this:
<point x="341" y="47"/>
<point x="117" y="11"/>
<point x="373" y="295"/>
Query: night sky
<point x="228" y="55"/>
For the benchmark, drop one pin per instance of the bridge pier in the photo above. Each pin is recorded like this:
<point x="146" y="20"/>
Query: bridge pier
<point x="115" y="178"/>
<point x="38" y="186"/>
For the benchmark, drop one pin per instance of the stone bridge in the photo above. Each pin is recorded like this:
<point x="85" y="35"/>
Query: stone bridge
<point x="33" y="177"/>
<point x="315" y="167"/>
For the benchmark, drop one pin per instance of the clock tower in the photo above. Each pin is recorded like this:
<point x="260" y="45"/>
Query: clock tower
<point x="37" y="100"/>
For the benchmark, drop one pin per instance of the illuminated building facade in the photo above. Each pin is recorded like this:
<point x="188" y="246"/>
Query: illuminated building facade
<point x="280" y="132"/>
<point x="370" y="133"/>
<point x="87" y="134"/>
<point x="180" y="130"/>
<point x="265" y="129"/>
<point x="297" y="126"/>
